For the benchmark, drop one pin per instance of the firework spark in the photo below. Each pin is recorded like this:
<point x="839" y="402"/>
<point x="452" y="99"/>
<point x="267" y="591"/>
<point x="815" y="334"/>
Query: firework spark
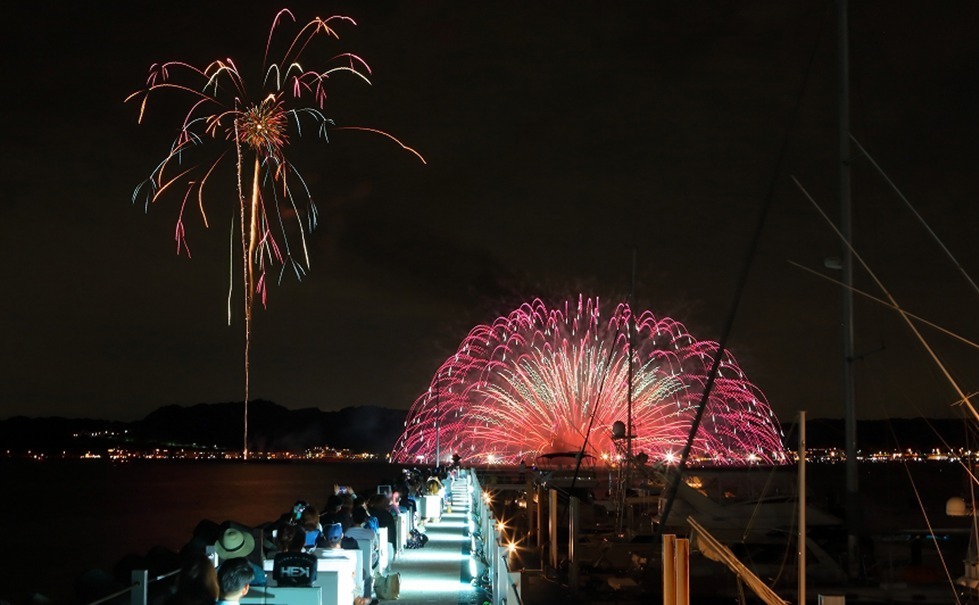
<point x="248" y="121"/>
<point x="535" y="380"/>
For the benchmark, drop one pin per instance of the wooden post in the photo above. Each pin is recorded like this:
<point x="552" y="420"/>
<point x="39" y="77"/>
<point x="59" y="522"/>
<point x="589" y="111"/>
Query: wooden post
<point x="539" y="495"/>
<point x="532" y="519"/>
<point x="682" y="569"/>
<point x="552" y="525"/>
<point x="669" y="569"/>
<point x="573" y="505"/>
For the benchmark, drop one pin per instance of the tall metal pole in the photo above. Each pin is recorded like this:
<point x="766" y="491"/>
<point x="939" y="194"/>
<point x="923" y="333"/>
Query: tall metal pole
<point x="802" y="508"/>
<point x="632" y="323"/>
<point x="846" y="228"/>
<point x="626" y="469"/>
<point x="438" y="418"/>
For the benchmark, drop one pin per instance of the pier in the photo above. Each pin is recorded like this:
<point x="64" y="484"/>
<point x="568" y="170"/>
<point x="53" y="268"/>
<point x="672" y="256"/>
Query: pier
<point x="440" y="572"/>
<point x="462" y="563"/>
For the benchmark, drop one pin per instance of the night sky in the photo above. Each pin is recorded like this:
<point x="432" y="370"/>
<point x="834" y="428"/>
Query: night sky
<point x="560" y="137"/>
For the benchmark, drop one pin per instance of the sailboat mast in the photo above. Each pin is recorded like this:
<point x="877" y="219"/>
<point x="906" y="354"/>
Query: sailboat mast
<point x="802" y="509"/>
<point x="632" y="323"/>
<point x="846" y="228"/>
<point x="438" y="422"/>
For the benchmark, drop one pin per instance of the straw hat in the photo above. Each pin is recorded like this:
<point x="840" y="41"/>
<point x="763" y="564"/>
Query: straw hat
<point x="234" y="543"/>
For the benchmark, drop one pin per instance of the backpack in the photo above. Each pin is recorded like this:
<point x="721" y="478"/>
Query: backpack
<point x="388" y="586"/>
<point x="413" y="542"/>
<point x="416" y="539"/>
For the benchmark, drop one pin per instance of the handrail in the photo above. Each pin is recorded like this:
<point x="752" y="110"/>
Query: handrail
<point x="135" y="584"/>
<point x="513" y="585"/>
<point x="115" y="594"/>
<point x="495" y="553"/>
<point x="164" y="576"/>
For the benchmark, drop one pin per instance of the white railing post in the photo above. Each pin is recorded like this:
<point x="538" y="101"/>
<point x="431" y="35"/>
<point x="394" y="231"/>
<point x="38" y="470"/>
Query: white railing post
<point x="498" y="585"/>
<point x="140" y="580"/>
<point x="504" y="584"/>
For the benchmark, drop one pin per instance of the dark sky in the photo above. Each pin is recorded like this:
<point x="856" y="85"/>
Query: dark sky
<point x="560" y="137"/>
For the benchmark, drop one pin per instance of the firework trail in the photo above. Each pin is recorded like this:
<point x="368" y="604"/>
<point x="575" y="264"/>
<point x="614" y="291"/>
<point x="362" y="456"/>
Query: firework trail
<point x="529" y="384"/>
<point x="250" y="121"/>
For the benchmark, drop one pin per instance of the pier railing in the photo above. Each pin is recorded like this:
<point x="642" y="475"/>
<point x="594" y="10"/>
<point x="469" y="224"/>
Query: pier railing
<point x="138" y="588"/>
<point x="496" y="549"/>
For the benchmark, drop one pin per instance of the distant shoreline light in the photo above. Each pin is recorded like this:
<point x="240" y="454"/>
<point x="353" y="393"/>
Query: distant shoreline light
<point x="815" y="456"/>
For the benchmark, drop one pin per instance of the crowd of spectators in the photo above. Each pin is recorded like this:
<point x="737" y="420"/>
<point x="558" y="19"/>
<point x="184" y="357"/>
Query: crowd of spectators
<point x="291" y="541"/>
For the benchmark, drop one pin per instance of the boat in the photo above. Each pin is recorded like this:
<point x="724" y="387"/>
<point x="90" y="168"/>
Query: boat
<point x="567" y="471"/>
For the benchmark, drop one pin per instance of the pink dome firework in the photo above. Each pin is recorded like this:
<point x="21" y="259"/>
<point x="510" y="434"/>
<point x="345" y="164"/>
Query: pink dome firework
<point x="534" y="381"/>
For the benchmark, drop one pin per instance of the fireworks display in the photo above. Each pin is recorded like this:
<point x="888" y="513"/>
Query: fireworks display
<point x="247" y="121"/>
<point x="536" y="380"/>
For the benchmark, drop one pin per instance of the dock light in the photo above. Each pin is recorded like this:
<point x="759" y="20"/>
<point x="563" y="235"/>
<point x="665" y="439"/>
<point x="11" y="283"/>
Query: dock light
<point x="511" y="549"/>
<point x="487" y="498"/>
<point x="500" y="526"/>
<point x="957" y="507"/>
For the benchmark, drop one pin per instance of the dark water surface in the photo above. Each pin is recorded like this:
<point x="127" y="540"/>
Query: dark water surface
<point x="59" y="519"/>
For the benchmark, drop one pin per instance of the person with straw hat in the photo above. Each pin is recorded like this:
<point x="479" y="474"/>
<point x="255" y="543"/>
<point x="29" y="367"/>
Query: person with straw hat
<point x="238" y="542"/>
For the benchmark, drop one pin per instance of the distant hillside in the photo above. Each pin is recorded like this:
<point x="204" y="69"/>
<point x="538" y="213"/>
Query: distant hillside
<point x="272" y="427"/>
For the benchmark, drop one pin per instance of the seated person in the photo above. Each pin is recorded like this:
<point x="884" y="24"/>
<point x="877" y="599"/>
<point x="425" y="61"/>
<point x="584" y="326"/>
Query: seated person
<point x="335" y="538"/>
<point x="335" y="513"/>
<point x="310" y="522"/>
<point x="297" y="510"/>
<point x="401" y="496"/>
<point x="197" y="582"/>
<point x="238" y="541"/>
<point x="433" y="486"/>
<point x="292" y="566"/>
<point x="379" y="506"/>
<point x="395" y="505"/>
<point x="234" y="578"/>
<point x="346" y="509"/>
<point x="360" y="530"/>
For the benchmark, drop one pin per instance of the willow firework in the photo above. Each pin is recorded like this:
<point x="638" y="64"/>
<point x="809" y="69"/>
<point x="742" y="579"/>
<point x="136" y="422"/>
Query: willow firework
<point x="543" y="380"/>
<point x="247" y="121"/>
